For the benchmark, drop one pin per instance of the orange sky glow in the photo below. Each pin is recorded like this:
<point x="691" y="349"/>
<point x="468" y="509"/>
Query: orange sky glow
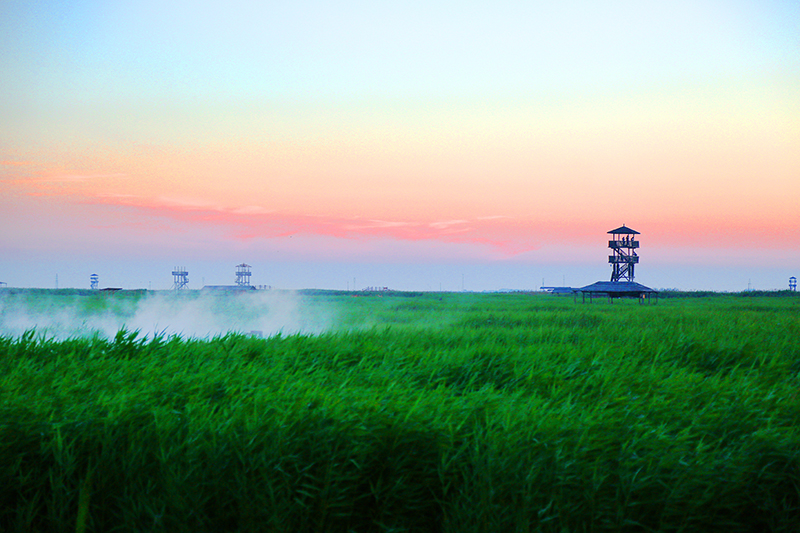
<point x="684" y="124"/>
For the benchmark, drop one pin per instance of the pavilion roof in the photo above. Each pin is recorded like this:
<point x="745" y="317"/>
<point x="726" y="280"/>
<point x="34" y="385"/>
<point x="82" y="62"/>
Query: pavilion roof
<point x="616" y="287"/>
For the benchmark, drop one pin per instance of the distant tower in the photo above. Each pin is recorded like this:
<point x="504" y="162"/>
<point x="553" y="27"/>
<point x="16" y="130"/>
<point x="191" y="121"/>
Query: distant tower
<point x="94" y="281"/>
<point x="181" y="278"/>
<point x="623" y="246"/>
<point x="793" y="284"/>
<point x="243" y="275"/>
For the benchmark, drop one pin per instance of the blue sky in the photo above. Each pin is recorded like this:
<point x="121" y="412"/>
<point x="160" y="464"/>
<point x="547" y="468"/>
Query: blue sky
<point x="508" y="136"/>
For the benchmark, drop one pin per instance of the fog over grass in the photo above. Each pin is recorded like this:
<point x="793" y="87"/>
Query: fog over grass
<point x="190" y="314"/>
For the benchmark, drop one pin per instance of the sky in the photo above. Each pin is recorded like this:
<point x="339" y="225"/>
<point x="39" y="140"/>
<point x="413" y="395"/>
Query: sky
<point x="414" y="145"/>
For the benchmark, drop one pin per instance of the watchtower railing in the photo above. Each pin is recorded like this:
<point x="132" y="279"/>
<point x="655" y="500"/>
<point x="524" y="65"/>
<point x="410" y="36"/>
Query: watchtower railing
<point x="623" y="244"/>
<point x="623" y="258"/>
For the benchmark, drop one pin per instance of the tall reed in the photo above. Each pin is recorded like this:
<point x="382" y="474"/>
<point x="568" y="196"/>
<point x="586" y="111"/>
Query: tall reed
<point x="417" y="413"/>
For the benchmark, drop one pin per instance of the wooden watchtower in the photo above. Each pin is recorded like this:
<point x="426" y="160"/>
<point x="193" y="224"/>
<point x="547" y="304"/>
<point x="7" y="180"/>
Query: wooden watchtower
<point x="623" y="258"/>
<point x="181" y="278"/>
<point x="243" y="275"/>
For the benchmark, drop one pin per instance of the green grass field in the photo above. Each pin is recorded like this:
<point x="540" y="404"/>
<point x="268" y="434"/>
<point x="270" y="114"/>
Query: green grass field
<point x="410" y="412"/>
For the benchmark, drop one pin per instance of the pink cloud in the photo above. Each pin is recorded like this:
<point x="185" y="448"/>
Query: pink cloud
<point x="75" y="178"/>
<point x="56" y="182"/>
<point x="449" y="225"/>
<point x="256" y="222"/>
<point x="507" y="235"/>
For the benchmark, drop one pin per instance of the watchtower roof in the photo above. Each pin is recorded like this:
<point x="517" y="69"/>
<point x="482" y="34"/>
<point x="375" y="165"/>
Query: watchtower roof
<point x="623" y="230"/>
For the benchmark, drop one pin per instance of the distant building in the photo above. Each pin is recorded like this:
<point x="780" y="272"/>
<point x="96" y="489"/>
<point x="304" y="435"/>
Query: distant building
<point x="558" y="290"/>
